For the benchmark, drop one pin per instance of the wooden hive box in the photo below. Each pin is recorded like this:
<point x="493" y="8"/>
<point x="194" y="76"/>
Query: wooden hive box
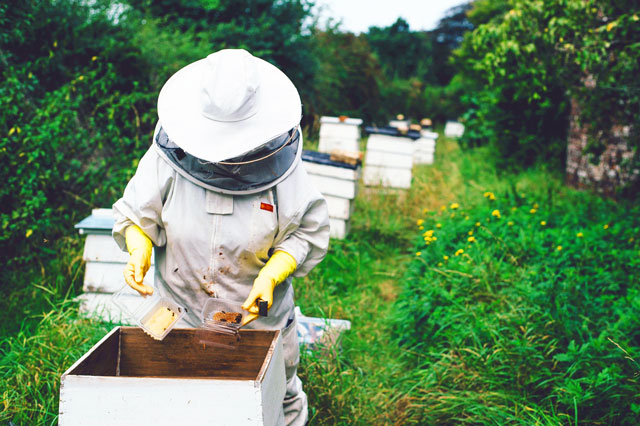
<point x="338" y="183"/>
<point x="130" y="379"/>
<point x="453" y="129"/>
<point x="104" y="264"/>
<point x="425" y="148"/>
<point x="388" y="161"/>
<point x="339" y="134"/>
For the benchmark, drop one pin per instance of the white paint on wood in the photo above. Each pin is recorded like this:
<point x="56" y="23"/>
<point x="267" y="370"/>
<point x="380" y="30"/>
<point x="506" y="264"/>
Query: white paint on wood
<point x="107" y="277"/>
<point x="387" y="159"/>
<point x="336" y="134"/>
<point x="103" y="248"/>
<point x="392" y="144"/>
<point x="339" y="208"/>
<point x="400" y="124"/>
<point x="453" y="129"/>
<point x="338" y="228"/>
<point x="386" y="176"/>
<point x="332" y="171"/>
<point x="345" y="122"/>
<point x="333" y="186"/>
<point x="329" y="145"/>
<point x="339" y="131"/>
<point x="428" y="134"/>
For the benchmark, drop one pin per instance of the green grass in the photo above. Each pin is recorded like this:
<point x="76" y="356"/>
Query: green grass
<point x="515" y="336"/>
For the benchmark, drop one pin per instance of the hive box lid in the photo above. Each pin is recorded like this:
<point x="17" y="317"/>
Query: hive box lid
<point x="101" y="221"/>
<point x="129" y="378"/>
<point x="392" y="131"/>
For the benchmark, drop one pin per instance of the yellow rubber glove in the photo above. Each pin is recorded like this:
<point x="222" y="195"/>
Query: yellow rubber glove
<point x="280" y="265"/>
<point x="140" y="247"/>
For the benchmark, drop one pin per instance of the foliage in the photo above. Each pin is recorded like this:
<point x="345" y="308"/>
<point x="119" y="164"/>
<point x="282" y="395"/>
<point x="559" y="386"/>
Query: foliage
<point x="527" y="299"/>
<point x="527" y="62"/>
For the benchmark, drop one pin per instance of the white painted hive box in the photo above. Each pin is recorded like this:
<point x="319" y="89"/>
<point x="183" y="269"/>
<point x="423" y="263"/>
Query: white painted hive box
<point x="338" y="183"/>
<point x="453" y="129"/>
<point x="425" y="148"/>
<point x="337" y="134"/>
<point x="130" y="379"/>
<point x="388" y="161"/>
<point x="104" y="265"/>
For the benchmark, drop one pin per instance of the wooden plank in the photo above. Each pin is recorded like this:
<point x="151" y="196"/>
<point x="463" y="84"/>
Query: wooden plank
<point x="274" y="384"/>
<point x="108" y="401"/>
<point x="341" y="120"/>
<point x="335" y="172"/>
<point x="336" y="187"/>
<point x="101" y="359"/>
<point x="388" y="159"/>
<point x="393" y="144"/>
<point x="107" y="277"/>
<point x="181" y="355"/>
<point x="387" y="177"/>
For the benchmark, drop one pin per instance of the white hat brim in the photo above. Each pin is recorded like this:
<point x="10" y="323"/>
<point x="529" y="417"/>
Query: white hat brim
<point x="180" y="114"/>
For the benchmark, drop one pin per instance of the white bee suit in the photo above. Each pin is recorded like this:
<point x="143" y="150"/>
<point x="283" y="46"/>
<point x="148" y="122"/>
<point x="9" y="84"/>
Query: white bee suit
<point x="212" y="244"/>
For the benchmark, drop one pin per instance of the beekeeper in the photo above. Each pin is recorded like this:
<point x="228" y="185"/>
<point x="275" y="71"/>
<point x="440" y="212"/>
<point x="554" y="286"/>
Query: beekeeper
<point x="222" y="197"/>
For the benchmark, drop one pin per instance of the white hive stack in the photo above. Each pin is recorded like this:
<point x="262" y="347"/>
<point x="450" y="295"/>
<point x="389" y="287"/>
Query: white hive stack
<point x="338" y="183"/>
<point x="453" y="129"/>
<point x="388" y="159"/>
<point x="105" y="263"/>
<point x="339" y="133"/>
<point x="425" y="147"/>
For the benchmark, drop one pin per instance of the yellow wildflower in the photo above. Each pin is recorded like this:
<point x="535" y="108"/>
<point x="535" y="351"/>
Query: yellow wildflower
<point x="434" y="238"/>
<point x="532" y="211"/>
<point x="579" y="235"/>
<point x="535" y="206"/>
<point x="454" y="206"/>
<point x="510" y="223"/>
<point x="559" y="248"/>
<point x="80" y="78"/>
<point x="514" y="208"/>
<point x="18" y="130"/>
<point x="470" y="232"/>
<point x="466" y="218"/>
<point x="459" y="252"/>
<point x="419" y="222"/>
<point x="55" y="44"/>
<point x="453" y="215"/>
<point x="471" y="239"/>
<point x="428" y="233"/>
<point x="12" y="131"/>
<point x="496" y="214"/>
<point x="438" y="226"/>
<point x="611" y="25"/>
<point x="631" y="239"/>
<point x="446" y="257"/>
<point x="439" y="263"/>
<point x="418" y="253"/>
<point x="421" y="227"/>
<point x="605" y="226"/>
<point x="28" y="233"/>
<point x="93" y="58"/>
<point x="543" y="222"/>
<point x="635" y="18"/>
<point x="30" y="75"/>
<point x="425" y="211"/>
<point x="443" y="208"/>
<point x="478" y="224"/>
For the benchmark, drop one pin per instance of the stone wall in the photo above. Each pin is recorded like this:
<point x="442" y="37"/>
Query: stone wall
<point x="613" y="170"/>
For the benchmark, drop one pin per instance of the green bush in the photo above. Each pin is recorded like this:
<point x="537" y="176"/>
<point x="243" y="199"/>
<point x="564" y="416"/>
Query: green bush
<point x="528" y="300"/>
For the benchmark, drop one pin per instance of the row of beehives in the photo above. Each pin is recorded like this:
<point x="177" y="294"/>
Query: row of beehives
<point x="390" y="155"/>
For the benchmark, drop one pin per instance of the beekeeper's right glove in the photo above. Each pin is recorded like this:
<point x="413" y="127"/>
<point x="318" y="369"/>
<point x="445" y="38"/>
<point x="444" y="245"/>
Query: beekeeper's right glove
<point x="139" y="247"/>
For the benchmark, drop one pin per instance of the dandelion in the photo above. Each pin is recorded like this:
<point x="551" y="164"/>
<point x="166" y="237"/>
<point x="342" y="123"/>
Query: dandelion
<point x="419" y="222"/>
<point x="459" y="252"/>
<point x="533" y="211"/>
<point x="470" y="232"/>
<point x="55" y="44"/>
<point x="28" y="233"/>
<point x="611" y="25"/>
<point x="496" y="214"/>
<point x="510" y="223"/>
<point x="80" y="78"/>
<point x="428" y="233"/>
<point x="443" y="208"/>
<point x="543" y="222"/>
<point x="434" y="238"/>
<point x="631" y="239"/>
<point x="421" y="227"/>
<point x="12" y="131"/>
<point x="453" y="215"/>
<point x="490" y="195"/>
<point x="454" y="206"/>
<point x="471" y="239"/>
<point x="514" y="208"/>
<point x="425" y="211"/>
<point x="478" y="224"/>
<point x="535" y="206"/>
<point x="605" y="226"/>
<point x="466" y="218"/>
<point x="440" y="264"/>
<point x="418" y="253"/>
<point x="438" y="226"/>
<point x="94" y="58"/>
<point x="445" y="257"/>
<point x="30" y="76"/>
<point x="559" y="248"/>
<point x="579" y="235"/>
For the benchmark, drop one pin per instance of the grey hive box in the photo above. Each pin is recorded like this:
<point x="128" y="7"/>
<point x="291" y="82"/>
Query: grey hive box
<point x="130" y="379"/>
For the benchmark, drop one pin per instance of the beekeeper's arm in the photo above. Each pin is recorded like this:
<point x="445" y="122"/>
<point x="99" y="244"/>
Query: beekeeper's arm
<point x="301" y="243"/>
<point x="138" y="217"/>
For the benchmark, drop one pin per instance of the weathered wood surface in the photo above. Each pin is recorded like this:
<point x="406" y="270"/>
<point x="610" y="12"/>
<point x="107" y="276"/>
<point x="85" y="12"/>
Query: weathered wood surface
<point x="252" y="395"/>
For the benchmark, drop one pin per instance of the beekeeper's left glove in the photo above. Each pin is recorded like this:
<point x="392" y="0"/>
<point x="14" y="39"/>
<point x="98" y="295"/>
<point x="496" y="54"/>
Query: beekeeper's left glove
<point x="280" y="265"/>
<point x="139" y="247"/>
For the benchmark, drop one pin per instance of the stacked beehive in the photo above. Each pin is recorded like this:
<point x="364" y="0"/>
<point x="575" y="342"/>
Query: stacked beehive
<point x="425" y="147"/>
<point x="453" y="129"/>
<point x="389" y="157"/>
<point x="338" y="183"/>
<point x="339" y="133"/>
<point x="105" y="263"/>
